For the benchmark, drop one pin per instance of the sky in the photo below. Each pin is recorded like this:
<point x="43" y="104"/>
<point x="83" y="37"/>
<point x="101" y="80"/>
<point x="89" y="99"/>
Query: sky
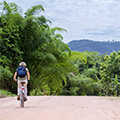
<point x="97" y="20"/>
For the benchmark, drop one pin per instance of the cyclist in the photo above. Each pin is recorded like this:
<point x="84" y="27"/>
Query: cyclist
<point x="22" y="79"/>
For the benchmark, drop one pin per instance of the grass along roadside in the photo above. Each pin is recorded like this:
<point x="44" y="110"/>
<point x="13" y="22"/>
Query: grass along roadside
<point x="5" y="93"/>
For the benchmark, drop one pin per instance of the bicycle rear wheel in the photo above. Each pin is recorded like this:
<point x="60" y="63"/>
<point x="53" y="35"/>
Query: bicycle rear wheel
<point x="22" y="101"/>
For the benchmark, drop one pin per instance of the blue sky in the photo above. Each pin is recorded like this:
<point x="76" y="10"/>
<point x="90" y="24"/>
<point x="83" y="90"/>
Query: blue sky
<point x="97" y="20"/>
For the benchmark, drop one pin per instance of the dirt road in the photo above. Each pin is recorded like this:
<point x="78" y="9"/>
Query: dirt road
<point x="61" y="108"/>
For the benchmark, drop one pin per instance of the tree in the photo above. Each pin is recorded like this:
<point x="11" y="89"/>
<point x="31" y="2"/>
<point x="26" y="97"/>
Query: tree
<point x="51" y="65"/>
<point x="9" y="35"/>
<point x="87" y="81"/>
<point x="110" y="67"/>
<point x="116" y="85"/>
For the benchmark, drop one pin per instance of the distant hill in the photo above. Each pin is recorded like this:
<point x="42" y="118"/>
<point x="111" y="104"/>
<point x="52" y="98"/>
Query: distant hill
<point x="90" y="45"/>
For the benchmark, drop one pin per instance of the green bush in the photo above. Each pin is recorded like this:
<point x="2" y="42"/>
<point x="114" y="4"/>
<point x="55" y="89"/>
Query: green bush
<point x="81" y="85"/>
<point x="5" y="76"/>
<point x="4" y="93"/>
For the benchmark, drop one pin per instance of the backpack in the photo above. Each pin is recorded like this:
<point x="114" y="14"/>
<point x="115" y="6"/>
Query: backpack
<point x="21" y="71"/>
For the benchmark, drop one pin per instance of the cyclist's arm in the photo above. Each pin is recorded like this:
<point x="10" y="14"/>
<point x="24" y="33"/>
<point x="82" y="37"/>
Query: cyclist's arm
<point x="15" y="76"/>
<point x="28" y="75"/>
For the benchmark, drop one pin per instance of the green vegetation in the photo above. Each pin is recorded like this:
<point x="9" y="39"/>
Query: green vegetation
<point x="54" y="68"/>
<point x="5" y="93"/>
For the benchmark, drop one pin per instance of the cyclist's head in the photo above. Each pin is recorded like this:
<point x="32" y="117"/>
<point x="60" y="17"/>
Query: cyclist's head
<point x="22" y="64"/>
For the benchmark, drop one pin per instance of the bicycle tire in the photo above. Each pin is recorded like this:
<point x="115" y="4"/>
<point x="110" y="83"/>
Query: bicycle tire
<point x="22" y="99"/>
<point x="22" y="102"/>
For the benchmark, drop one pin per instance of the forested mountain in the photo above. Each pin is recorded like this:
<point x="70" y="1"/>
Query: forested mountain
<point x="90" y="45"/>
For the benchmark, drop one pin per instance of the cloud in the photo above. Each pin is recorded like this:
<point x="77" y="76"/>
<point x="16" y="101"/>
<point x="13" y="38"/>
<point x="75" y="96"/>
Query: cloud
<point x="91" y="19"/>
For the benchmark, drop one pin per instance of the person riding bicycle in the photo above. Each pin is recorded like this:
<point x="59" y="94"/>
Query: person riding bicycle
<point x="22" y="68"/>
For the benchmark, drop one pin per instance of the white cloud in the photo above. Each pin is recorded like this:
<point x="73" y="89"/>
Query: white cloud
<point x="91" y="19"/>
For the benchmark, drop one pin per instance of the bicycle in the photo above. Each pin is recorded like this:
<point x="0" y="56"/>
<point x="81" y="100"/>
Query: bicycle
<point x="22" y="95"/>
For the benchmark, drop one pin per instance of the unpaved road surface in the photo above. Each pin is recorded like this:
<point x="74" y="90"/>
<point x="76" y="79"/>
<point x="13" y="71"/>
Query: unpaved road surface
<point x="61" y="108"/>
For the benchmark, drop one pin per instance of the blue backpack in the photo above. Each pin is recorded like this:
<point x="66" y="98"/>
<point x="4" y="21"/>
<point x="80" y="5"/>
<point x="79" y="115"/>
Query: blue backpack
<point x="21" y="71"/>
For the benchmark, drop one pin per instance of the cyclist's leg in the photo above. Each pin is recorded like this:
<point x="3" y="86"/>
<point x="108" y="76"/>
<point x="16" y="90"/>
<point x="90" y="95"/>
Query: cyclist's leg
<point x="19" y="90"/>
<point x="19" y="87"/>
<point x="25" y="86"/>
